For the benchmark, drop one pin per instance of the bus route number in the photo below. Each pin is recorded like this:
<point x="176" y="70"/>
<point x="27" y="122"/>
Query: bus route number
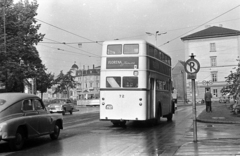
<point x="121" y="96"/>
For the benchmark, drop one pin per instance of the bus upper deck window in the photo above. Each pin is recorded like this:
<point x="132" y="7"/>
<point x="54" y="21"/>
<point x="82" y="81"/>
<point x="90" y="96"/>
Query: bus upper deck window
<point x="113" y="82"/>
<point x="131" y="82"/>
<point x="131" y="49"/>
<point x="114" y="49"/>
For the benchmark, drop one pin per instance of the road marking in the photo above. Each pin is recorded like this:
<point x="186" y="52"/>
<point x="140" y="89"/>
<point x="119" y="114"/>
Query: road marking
<point x="82" y="124"/>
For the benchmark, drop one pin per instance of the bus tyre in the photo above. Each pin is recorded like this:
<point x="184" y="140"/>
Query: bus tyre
<point x="169" y="117"/>
<point x="173" y="107"/>
<point x="122" y="123"/>
<point x="115" y="122"/>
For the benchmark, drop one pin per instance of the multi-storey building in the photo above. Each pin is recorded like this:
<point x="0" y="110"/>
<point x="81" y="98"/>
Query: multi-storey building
<point x="88" y="83"/>
<point x="216" y="49"/>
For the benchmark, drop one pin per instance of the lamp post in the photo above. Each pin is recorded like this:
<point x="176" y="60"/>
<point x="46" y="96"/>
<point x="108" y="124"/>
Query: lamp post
<point x="207" y="83"/>
<point x="155" y="34"/>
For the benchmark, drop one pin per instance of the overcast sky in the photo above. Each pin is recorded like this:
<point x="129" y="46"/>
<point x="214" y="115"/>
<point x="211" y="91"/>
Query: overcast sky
<point x="88" y="21"/>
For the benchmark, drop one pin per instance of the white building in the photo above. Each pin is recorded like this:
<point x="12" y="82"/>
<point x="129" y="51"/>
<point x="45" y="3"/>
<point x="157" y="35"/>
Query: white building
<point x="216" y="49"/>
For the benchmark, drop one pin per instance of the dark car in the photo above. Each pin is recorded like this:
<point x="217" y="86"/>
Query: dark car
<point x="23" y="116"/>
<point x="61" y="106"/>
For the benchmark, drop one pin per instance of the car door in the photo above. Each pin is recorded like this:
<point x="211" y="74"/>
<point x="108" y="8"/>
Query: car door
<point x="44" y="119"/>
<point x="30" y="117"/>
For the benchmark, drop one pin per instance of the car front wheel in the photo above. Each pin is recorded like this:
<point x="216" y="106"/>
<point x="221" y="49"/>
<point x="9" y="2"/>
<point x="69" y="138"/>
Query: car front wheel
<point x="71" y="111"/>
<point x="55" y="134"/>
<point x="17" y="143"/>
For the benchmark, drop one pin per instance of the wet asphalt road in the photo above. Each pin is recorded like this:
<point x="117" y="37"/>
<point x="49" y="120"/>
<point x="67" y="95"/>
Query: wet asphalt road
<point x="84" y="135"/>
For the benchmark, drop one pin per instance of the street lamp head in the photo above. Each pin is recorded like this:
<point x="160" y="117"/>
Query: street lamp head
<point x="148" y="33"/>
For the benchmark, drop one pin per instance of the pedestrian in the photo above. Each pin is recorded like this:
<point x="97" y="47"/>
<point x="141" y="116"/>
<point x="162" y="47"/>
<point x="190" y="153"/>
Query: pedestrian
<point x="208" y="98"/>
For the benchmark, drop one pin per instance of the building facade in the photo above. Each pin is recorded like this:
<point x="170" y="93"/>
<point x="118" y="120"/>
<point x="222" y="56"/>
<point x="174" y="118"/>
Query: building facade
<point x="216" y="49"/>
<point x="88" y="83"/>
<point x="179" y="81"/>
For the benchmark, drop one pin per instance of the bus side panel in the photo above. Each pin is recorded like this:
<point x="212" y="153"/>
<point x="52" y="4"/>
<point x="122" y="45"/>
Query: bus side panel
<point x="165" y="99"/>
<point x="125" y="105"/>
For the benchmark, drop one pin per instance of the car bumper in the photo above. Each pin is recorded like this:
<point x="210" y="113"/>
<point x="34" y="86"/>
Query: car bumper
<point x="55" y="111"/>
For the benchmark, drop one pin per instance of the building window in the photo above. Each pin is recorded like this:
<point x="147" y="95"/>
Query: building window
<point x="213" y="61"/>
<point x="212" y="47"/>
<point x="90" y="84"/>
<point x="214" y="77"/>
<point x="215" y="92"/>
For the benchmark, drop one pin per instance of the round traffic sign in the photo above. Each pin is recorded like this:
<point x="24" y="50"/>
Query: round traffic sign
<point x="192" y="66"/>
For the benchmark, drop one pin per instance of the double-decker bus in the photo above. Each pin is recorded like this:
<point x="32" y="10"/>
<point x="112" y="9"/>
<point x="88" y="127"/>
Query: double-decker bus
<point x="135" y="82"/>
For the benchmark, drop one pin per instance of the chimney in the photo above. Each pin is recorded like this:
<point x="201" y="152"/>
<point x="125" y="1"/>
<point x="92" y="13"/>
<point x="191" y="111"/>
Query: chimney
<point x="88" y="67"/>
<point x="83" y="67"/>
<point x="93" y="66"/>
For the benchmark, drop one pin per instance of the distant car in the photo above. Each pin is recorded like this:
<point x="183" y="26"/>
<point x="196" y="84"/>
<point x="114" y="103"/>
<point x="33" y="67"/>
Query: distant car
<point x="61" y="106"/>
<point x="23" y="116"/>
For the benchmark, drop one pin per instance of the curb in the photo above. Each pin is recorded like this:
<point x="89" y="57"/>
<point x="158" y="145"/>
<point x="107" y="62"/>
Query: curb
<point x="218" y="122"/>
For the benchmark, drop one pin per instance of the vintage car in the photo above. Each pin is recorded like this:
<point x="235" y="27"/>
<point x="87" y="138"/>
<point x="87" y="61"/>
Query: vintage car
<point x="61" y="106"/>
<point x="23" y="116"/>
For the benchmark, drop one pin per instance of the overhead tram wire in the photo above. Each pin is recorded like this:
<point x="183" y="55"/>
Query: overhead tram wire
<point x="72" y="47"/>
<point x="68" y="31"/>
<point x="200" y="25"/>
<point x="70" y="51"/>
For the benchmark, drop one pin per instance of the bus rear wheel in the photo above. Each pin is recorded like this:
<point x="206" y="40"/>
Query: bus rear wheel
<point x="118" y="123"/>
<point x="169" y="117"/>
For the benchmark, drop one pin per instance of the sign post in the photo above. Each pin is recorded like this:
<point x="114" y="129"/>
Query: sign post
<point x="192" y="67"/>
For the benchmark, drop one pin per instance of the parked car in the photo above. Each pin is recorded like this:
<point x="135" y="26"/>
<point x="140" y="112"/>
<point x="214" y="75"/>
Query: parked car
<point x="61" y="106"/>
<point x="224" y="99"/>
<point x="23" y="116"/>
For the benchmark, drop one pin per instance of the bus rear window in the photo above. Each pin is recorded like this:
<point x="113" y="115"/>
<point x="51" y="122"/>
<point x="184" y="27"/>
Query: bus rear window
<point x="130" y="82"/>
<point x="131" y="49"/>
<point x="113" y="82"/>
<point x="114" y="49"/>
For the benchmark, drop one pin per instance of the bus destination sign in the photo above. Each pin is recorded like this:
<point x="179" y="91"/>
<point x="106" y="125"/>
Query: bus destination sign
<point x="122" y="63"/>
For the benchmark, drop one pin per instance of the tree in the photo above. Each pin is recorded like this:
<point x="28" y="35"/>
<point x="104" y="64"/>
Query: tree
<point x="233" y="83"/>
<point x="21" y="60"/>
<point x="44" y="81"/>
<point x="64" y="83"/>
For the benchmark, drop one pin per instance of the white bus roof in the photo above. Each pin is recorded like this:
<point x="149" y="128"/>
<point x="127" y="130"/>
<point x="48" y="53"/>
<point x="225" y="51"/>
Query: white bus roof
<point x="124" y="41"/>
<point x="130" y="42"/>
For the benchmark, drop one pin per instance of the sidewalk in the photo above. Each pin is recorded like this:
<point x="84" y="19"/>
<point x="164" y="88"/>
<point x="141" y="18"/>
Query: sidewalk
<point x="225" y="137"/>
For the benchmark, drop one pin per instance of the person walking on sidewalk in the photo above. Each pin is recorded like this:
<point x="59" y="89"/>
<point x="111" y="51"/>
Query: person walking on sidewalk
<point x="208" y="98"/>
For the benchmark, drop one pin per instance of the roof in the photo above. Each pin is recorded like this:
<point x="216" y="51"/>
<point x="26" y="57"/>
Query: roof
<point x="12" y="98"/>
<point x="74" y="66"/>
<point x="212" y="32"/>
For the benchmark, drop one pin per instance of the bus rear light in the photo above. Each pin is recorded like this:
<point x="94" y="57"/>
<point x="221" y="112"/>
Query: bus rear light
<point x="103" y="99"/>
<point x="140" y="99"/>
<point x="103" y="103"/>
<point x="140" y="104"/>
